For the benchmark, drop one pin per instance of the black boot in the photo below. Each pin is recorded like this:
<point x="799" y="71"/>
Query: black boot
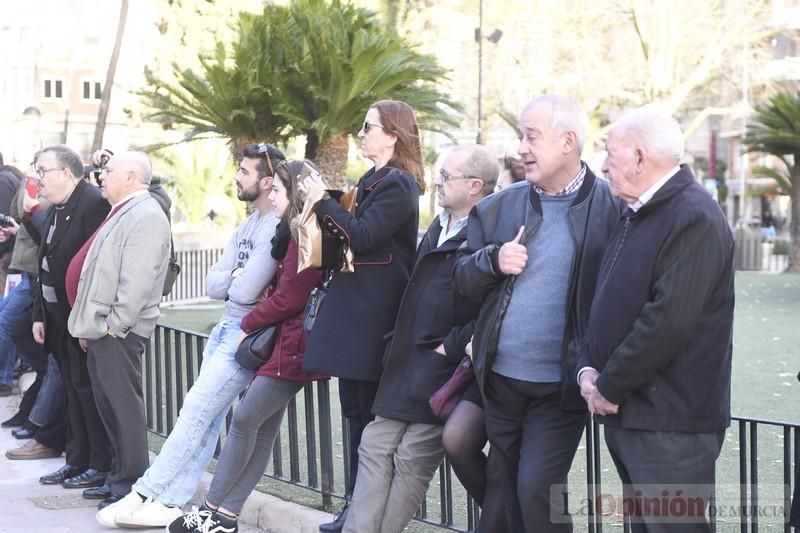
<point x="338" y="521"/>
<point x="15" y="421"/>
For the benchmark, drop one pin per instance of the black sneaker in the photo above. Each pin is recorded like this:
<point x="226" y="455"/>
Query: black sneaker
<point x="219" y="523"/>
<point x="191" y="521"/>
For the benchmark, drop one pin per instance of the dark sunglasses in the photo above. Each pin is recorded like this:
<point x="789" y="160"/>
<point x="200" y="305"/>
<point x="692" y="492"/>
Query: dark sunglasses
<point x="368" y="125"/>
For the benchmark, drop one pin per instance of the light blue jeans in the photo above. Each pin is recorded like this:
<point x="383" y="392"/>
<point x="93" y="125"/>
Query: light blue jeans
<point x="173" y="478"/>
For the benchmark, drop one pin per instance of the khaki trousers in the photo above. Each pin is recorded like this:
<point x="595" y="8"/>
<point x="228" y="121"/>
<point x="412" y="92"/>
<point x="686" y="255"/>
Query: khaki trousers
<point x="397" y="461"/>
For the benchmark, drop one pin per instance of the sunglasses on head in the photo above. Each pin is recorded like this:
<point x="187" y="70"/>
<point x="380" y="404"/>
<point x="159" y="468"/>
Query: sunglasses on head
<point x="264" y="149"/>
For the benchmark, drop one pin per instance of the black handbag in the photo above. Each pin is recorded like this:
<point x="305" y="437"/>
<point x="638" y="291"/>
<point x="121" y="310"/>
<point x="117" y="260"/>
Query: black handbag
<point x="256" y="348"/>
<point x="314" y="303"/>
<point x="173" y="270"/>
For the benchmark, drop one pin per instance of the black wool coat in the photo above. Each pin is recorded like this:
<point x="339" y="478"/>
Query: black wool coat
<point x="79" y="217"/>
<point x="349" y="335"/>
<point x="431" y="313"/>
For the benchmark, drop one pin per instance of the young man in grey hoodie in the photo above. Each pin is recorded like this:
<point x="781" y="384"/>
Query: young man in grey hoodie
<point x="239" y="277"/>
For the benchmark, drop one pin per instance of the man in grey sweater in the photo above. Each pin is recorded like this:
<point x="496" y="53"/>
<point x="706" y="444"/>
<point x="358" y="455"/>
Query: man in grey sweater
<point x="532" y="255"/>
<point x="239" y="277"/>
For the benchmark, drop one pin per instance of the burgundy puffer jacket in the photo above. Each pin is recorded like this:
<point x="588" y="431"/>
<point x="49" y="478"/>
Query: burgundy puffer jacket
<point x="284" y="305"/>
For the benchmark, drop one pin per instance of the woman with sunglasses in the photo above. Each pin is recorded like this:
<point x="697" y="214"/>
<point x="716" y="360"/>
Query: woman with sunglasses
<point x="257" y="418"/>
<point x="358" y="314"/>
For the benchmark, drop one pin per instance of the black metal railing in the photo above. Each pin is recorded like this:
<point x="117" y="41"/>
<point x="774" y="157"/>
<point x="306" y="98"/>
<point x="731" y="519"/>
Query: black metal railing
<point x="753" y="473"/>
<point x="191" y="283"/>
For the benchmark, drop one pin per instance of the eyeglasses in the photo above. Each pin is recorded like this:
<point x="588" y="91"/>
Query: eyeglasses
<point x="41" y="171"/>
<point x="447" y="176"/>
<point x="368" y="125"/>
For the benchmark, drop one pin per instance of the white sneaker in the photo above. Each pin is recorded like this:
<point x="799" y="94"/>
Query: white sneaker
<point x="149" y="514"/>
<point x="108" y="515"/>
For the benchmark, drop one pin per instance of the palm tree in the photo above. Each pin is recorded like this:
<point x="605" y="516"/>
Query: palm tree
<point x="234" y="95"/>
<point x="312" y="68"/>
<point x="775" y="130"/>
<point x="346" y="60"/>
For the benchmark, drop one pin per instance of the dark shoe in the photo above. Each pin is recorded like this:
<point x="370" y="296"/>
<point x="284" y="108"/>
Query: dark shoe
<point x="88" y="479"/>
<point x="338" y="521"/>
<point x="28" y="431"/>
<point x="32" y="450"/>
<point x="108" y="501"/>
<point x="6" y="390"/>
<point x="98" y="493"/>
<point x="21" y="369"/>
<point x="192" y="521"/>
<point x="15" y="421"/>
<point x="66" y="471"/>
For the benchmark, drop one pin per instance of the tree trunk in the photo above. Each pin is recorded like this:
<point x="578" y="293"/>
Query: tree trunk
<point x="332" y="159"/>
<point x="794" y="224"/>
<point x="105" y="100"/>
<point x="312" y="145"/>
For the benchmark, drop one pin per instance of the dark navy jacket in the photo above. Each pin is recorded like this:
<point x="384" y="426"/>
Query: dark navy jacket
<point x="431" y="313"/>
<point x="662" y="318"/>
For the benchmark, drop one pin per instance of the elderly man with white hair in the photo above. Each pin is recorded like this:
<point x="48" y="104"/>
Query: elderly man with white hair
<point x="655" y="364"/>
<point x="531" y="258"/>
<point x="114" y="283"/>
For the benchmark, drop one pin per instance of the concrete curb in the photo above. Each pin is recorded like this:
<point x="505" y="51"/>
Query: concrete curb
<point x="270" y="513"/>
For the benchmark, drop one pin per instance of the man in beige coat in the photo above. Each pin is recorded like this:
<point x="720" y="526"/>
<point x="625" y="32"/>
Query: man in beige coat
<point x="114" y="284"/>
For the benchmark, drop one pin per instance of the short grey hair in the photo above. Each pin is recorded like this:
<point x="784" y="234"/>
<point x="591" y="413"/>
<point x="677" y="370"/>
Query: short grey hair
<point x="656" y="129"/>
<point x="567" y="115"/>
<point x="66" y="157"/>
<point x="480" y="163"/>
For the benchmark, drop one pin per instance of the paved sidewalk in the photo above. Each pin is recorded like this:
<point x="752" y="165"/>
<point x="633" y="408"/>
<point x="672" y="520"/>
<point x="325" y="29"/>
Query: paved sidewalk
<point x="30" y="507"/>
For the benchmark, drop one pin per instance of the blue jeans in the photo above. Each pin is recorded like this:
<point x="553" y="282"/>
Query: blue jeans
<point x="173" y="478"/>
<point x="12" y="307"/>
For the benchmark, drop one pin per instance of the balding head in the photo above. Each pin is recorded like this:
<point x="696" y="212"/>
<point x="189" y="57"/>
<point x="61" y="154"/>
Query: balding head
<point x="642" y="147"/>
<point x="654" y="130"/>
<point x="125" y="173"/>
<point x="478" y="161"/>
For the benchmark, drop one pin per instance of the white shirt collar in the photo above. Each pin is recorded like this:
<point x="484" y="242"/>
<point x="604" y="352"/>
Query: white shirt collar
<point x="444" y="219"/>
<point x="649" y="193"/>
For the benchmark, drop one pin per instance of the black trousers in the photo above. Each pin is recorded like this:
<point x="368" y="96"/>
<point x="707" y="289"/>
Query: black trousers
<point x="115" y="367"/>
<point x="651" y="463"/>
<point x="356" y="398"/>
<point x="533" y="443"/>
<point x="87" y="443"/>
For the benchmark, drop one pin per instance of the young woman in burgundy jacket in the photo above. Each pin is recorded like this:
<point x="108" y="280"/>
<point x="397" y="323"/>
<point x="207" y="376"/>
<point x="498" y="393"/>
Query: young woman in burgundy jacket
<point x="257" y="418"/>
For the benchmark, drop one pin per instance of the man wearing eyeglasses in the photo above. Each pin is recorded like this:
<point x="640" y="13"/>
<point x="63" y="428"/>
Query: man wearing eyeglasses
<point x="76" y="210"/>
<point x="532" y="256"/>
<point x="402" y="447"/>
<point x="239" y="277"/>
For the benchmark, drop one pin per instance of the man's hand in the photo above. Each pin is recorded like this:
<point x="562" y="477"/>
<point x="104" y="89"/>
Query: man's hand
<point x="38" y="332"/>
<point x="513" y="256"/>
<point x="597" y="404"/>
<point x="84" y="344"/>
